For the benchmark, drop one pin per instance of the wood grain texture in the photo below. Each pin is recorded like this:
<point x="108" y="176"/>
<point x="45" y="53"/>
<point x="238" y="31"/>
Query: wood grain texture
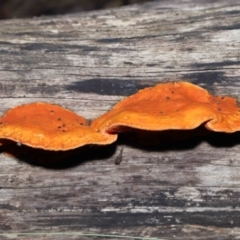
<point x="88" y="62"/>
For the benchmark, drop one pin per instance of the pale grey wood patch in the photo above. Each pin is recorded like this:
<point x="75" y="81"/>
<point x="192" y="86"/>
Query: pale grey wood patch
<point x="88" y="62"/>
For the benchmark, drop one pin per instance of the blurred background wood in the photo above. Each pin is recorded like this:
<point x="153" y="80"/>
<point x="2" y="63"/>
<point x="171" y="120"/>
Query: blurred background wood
<point x="31" y="8"/>
<point x="87" y="62"/>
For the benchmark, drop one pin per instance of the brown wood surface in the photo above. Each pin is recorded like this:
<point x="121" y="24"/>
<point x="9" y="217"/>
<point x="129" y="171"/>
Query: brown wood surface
<point x="87" y="62"/>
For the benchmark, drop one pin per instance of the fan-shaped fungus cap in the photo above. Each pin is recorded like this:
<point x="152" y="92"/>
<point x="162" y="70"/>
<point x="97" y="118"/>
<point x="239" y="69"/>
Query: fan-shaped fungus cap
<point x="179" y="105"/>
<point x="50" y="127"/>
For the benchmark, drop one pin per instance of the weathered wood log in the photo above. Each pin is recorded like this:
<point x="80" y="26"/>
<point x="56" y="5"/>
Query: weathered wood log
<point x="88" y="62"/>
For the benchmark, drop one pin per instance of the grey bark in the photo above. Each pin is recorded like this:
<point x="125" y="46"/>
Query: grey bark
<point x="88" y="62"/>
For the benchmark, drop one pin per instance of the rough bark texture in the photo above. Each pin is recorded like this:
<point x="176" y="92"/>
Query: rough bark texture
<point x="87" y="62"/>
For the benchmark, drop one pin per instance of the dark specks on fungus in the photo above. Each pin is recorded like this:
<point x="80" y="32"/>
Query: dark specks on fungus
<point x="188" y="107"/>
<point x="35" y="128"/>
<point x="197" y="106"/>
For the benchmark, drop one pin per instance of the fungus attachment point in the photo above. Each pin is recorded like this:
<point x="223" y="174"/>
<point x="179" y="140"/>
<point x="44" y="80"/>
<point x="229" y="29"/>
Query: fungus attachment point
<point x="50" y="127"/>
<point x="167" y="106"/>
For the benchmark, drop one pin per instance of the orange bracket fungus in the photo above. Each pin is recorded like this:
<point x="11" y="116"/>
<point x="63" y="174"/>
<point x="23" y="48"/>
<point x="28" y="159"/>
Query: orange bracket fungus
<point x="167" y="106"/>
<point x="174" y="105"/>
<point x="49" y="126"/>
